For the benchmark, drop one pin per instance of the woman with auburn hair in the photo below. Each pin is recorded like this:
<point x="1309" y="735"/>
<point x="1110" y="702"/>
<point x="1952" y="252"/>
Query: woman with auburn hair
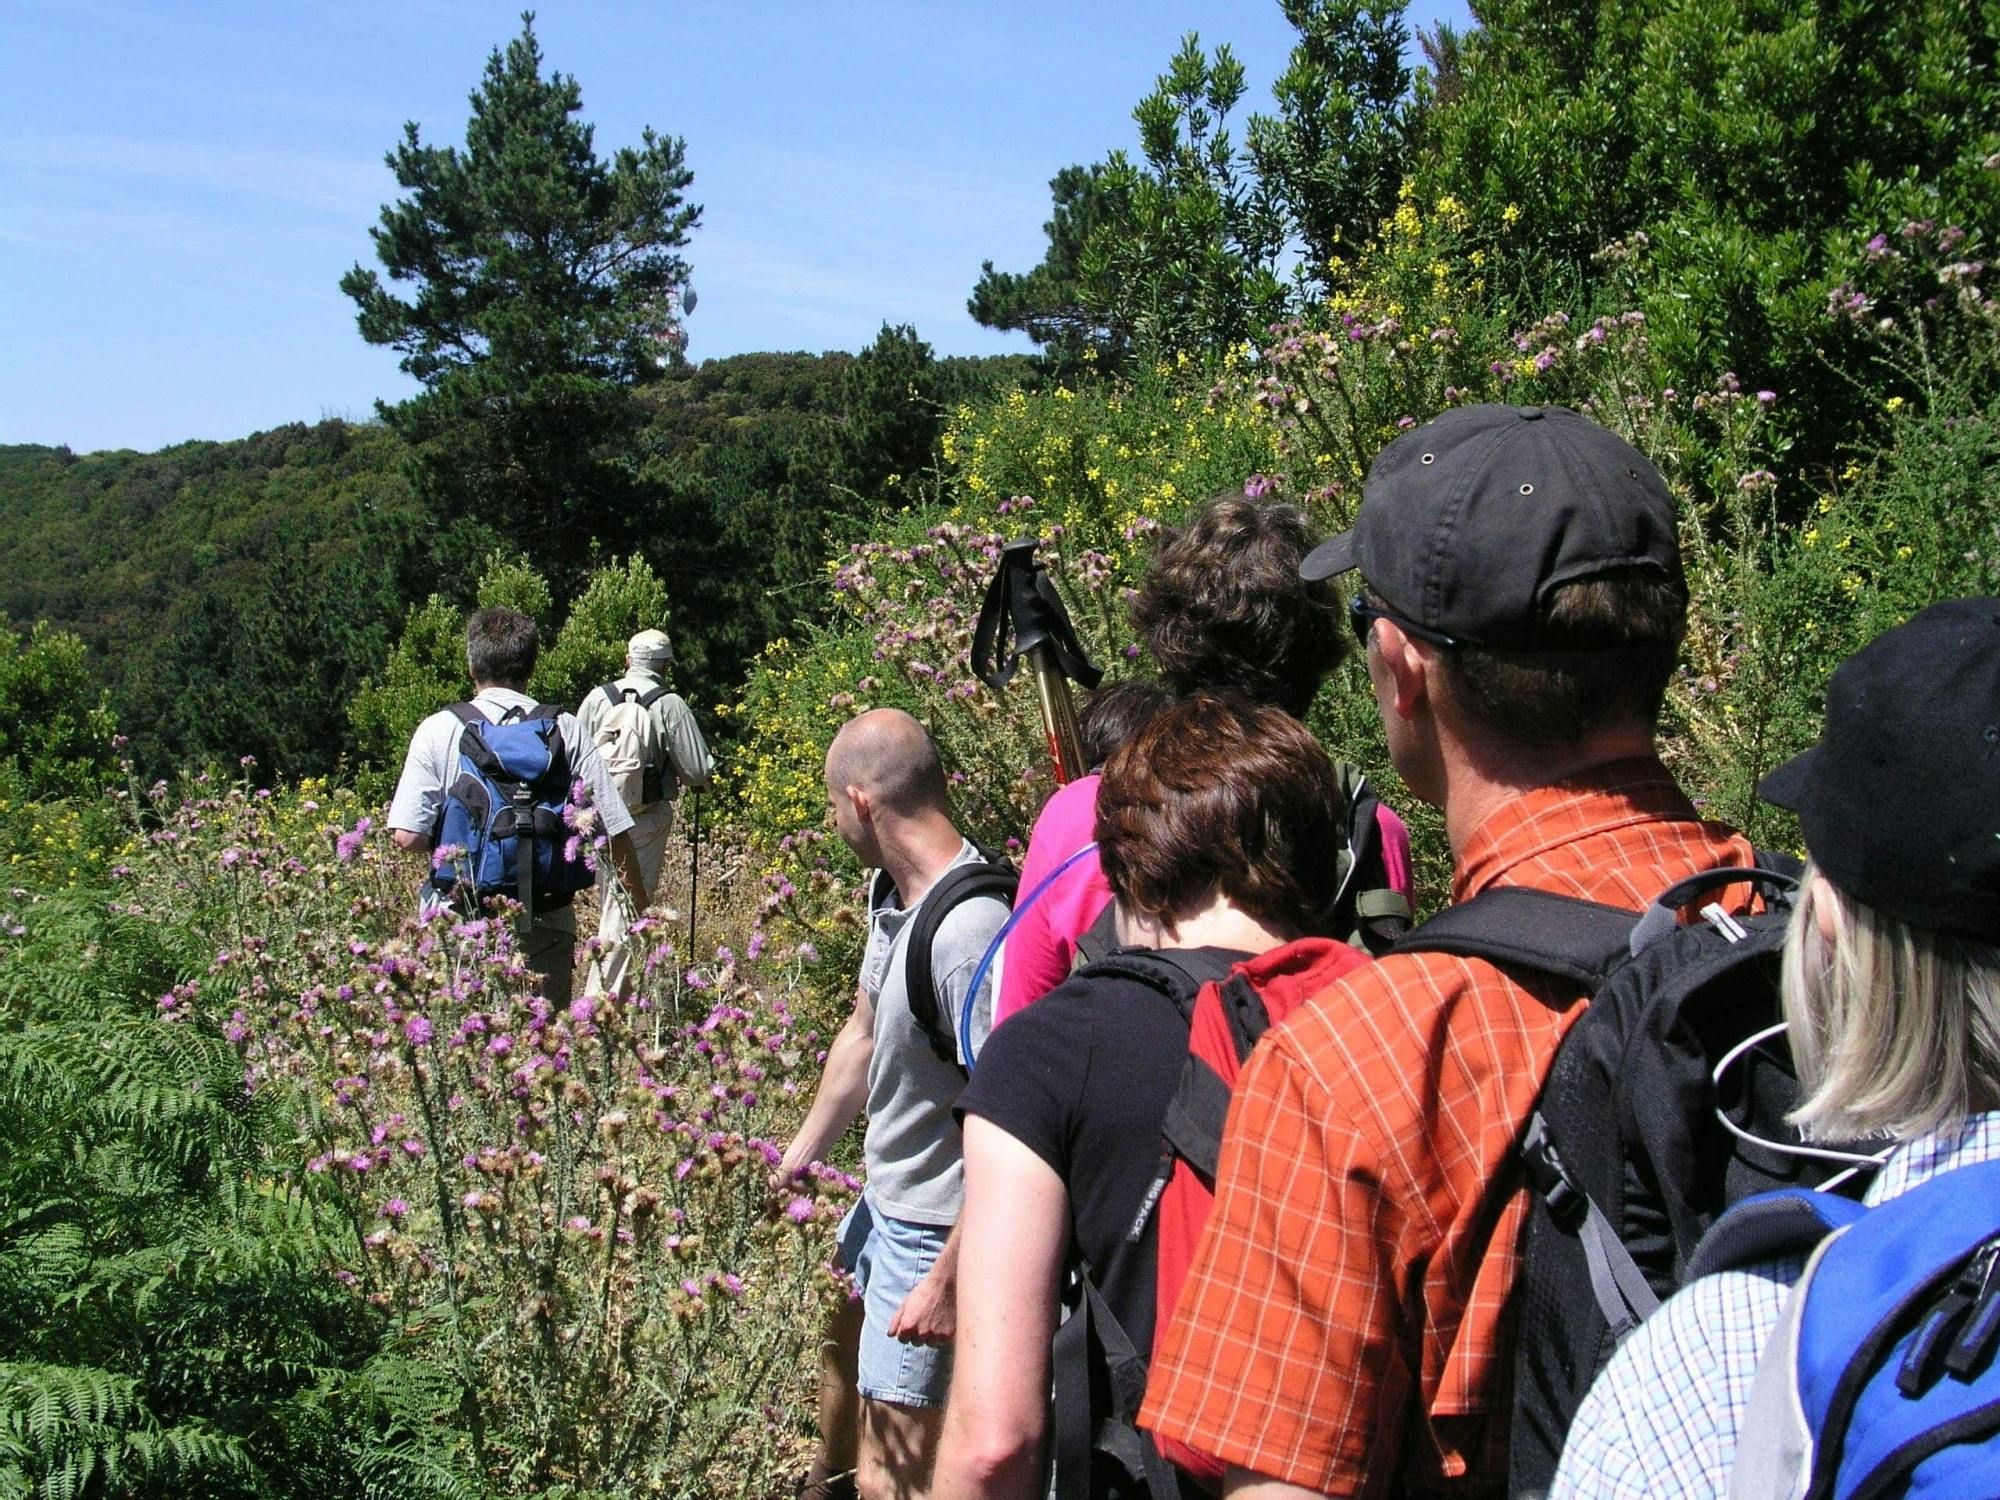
<point x="1220" y="826"/>
<point x="1891" y="991"/>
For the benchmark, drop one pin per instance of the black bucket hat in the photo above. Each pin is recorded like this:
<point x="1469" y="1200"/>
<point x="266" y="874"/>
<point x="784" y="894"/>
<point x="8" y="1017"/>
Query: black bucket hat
<point x="1900" y="799"/>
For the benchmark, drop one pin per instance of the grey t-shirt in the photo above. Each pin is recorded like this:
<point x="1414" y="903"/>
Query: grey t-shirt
<point x="912" y="1151"/>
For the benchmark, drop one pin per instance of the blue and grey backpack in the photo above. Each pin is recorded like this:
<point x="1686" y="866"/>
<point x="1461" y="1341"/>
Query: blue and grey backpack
<point x="504" y="811"/>
<point x="1880" y="1378"/>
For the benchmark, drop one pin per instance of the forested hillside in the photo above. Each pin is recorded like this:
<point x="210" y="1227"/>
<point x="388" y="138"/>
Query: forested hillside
<point x="235" y="595"/>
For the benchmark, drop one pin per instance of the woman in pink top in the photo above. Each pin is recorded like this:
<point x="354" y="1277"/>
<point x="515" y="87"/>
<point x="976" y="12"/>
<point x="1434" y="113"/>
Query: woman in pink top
<point x="1222" y="609"/>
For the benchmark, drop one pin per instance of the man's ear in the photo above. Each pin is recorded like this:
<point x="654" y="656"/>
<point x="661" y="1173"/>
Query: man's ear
<point x="863" y="804"/>
<point x="1407" y="664"/>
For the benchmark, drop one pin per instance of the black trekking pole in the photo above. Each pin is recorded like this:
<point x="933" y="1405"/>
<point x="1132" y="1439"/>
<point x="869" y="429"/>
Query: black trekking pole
<point x="694" y="863"/>
<point x="1022" y="600"/>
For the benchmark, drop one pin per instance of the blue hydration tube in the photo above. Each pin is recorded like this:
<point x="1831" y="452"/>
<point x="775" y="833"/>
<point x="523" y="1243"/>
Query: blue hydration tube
<point x="993" y="948"/>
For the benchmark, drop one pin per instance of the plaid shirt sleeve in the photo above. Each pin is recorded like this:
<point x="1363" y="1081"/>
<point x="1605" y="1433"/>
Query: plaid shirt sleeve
<point x="1285" y="1355"/>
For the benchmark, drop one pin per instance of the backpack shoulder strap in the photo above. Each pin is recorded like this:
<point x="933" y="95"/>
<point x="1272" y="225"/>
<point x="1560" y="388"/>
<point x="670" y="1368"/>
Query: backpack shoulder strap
<point x="611" y="694"/>
<point x="1374" y="913"/>
<point x="472" y="743"/>
<point x="1097" y="940"/>
<point x="1790" y="1221"/>
<point x="648" y="699"/>
<point x="1176" y="973"/>
<point x="959" y="884"/>
<point x="1192" y="1125"/>
<point x="881" y="892"/>
<point x="1092" y="1337"/>
<point x="1774" y="1451"/>
<point x="1581" y="941"/>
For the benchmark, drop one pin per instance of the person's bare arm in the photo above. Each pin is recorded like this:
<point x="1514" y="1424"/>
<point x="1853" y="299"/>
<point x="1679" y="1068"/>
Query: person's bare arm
<point x="929" y="1315"/>
<point x="407" y="840"/>
<point x="1241" y="1484"/>
<point x="1013" y="1230"/>
<point x="843" y="1090"/>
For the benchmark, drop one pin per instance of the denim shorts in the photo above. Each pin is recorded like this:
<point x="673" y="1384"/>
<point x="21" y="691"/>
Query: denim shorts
<point x="888" y="1257"/>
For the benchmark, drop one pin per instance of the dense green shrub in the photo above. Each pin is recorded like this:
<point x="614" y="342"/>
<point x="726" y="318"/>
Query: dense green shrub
<point x="1752" y="148"/>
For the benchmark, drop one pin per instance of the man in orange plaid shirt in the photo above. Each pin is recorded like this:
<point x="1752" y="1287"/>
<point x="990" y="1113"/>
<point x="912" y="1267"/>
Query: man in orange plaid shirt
<point x="1347" y="1326"/>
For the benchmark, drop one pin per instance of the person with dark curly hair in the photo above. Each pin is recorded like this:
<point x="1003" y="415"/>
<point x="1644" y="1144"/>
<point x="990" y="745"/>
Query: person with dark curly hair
<point x="1222" y="610"/>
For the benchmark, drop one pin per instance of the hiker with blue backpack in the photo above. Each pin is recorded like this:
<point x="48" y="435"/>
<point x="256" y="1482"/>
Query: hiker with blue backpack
<point x="486" y="790"/>
<point x="1837" y="1348"/>
<point x="650" y="744"/>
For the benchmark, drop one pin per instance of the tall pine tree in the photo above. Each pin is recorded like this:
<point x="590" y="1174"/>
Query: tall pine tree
<point x="546" y="287"/>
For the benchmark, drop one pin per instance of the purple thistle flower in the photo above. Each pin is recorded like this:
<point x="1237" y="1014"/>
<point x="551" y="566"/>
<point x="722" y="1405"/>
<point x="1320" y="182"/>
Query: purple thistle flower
<point x="395" y="1208"/>
<point x="418" y="1030"/>
<point x="799" y="1209"/>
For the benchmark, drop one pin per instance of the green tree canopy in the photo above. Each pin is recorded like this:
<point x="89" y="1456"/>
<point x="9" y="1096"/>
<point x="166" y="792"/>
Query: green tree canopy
<point x="1051" y="303"/>
<point x="55" y="732"/>
<point x="1181" y="247"/>
<point x="1723" y="164"/>
<point x="1334" y="154"/>
<point x="547" y="284"/>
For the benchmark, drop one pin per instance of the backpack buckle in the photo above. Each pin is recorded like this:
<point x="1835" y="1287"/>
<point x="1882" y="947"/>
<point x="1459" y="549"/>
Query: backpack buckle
<point x="1959" y="1334"/>
<point x="1568" y="1204"/>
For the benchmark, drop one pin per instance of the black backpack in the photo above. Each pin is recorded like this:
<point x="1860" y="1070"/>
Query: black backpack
<point x="1627" y="1162"/>
<point x="989" y="875"/>
<point x="1100" y="1376"/>
<point x="1368" y="913"/>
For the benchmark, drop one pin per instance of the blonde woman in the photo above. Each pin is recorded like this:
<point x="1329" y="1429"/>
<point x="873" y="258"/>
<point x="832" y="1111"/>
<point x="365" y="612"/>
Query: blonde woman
<point x="1892" y="991"/>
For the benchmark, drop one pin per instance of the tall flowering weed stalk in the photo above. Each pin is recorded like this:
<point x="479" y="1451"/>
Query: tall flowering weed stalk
<point x="568" y="1209"/>
<point x="1910" y="515"/>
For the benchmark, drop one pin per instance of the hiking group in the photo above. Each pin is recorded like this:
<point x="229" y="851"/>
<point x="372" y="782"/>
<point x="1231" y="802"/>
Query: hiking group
<point x="1193" y="1168"/>
<point x="1652" y="1164"/>
<point x="490" y="790"/>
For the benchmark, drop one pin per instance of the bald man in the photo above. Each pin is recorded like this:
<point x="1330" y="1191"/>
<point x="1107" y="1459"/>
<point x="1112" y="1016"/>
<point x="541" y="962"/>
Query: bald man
<point x="886" y="790"/>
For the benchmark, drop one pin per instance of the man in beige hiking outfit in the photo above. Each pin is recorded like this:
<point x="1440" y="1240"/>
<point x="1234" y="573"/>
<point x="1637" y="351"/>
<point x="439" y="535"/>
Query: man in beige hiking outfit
<point x="651" y="745"/>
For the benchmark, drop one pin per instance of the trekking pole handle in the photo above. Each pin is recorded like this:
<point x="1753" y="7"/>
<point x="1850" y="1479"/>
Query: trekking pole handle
<point x="1023" y="608"/>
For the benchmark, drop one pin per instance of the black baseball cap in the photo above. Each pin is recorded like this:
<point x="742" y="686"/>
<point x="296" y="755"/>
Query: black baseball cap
<point x="1467" y="522"/>
<point x="1900" y="799"/>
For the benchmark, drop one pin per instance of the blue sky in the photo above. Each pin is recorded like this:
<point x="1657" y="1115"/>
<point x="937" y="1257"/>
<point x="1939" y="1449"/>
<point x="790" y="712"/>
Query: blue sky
<point x="182" y="184"/>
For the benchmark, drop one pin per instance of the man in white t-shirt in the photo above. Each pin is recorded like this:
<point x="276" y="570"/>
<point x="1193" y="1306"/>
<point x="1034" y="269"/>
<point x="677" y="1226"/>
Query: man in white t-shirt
<point x="500" y="652"/>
